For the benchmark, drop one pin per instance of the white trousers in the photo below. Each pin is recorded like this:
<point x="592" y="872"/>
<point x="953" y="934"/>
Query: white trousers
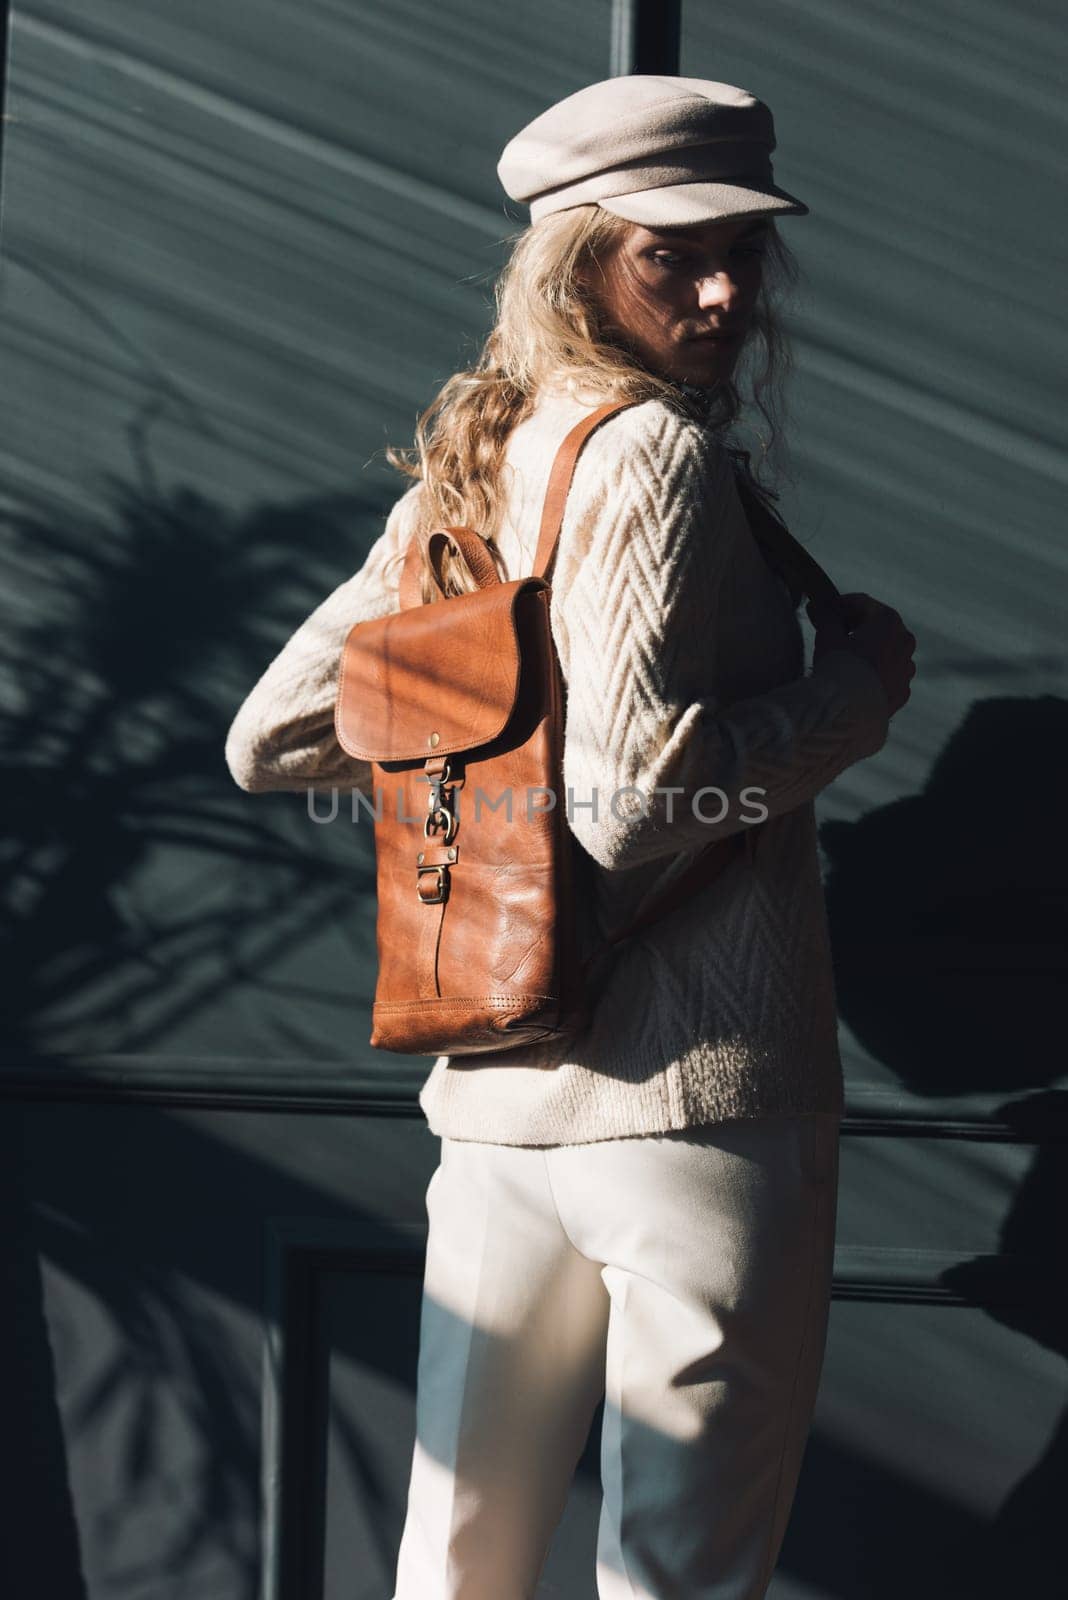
<point x="685" y="1278"/>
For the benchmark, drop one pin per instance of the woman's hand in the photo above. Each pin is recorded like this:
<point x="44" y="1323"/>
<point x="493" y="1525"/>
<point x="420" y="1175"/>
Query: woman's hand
<point x="872" y="630"/>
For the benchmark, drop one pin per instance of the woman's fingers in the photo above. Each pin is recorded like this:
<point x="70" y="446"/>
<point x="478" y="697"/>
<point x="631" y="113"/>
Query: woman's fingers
<point x="872" y="630"/>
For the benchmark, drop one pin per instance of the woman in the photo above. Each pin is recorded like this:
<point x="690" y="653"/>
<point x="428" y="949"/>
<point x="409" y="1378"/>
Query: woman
<point x="645" y="1212"/>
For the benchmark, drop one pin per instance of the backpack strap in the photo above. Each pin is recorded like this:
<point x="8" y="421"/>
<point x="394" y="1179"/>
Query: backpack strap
<point x="563" y="470"/>
<point x="472" y="546"/>
<point x="797" y="565"/>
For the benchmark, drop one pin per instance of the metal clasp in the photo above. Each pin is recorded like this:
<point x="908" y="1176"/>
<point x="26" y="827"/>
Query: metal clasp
<point x="437" y="803"/>
<point x="436" y="781"/>
<point x="449" y="824"/>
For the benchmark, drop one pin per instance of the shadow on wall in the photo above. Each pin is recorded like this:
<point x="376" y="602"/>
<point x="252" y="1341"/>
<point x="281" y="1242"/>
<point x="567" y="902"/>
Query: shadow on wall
<point x="139" y="883"/>
<point x="948" y="909"/>
<point x="948" y="912"/>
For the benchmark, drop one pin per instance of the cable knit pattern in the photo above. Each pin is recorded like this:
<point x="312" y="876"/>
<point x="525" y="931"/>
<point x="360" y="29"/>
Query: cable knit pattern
<point x="684" y="665"/>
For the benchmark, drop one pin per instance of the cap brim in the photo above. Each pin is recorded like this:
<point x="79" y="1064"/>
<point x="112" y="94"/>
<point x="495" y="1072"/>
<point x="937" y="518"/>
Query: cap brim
<point x="682" y="204"/>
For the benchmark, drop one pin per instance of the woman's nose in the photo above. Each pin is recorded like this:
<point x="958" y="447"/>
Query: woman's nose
<point x="719" y="289"/>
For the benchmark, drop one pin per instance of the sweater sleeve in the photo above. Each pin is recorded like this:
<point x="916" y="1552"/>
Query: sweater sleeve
<point x="648" y="539"/>
<point x="283" y="734"/>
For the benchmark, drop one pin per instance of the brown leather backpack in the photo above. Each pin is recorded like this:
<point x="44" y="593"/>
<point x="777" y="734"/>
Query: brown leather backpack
<point x="459" y="707"/>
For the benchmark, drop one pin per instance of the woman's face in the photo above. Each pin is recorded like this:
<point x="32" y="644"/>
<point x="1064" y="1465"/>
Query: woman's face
<point x="682" y="299"/>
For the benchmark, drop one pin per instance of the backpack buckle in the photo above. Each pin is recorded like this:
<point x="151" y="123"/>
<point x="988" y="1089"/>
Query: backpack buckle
<point x="438" y="891"/>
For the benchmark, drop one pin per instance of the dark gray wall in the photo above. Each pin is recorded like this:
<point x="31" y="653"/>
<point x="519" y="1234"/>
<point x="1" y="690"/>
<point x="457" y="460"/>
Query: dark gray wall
<point x="242" y="245"/>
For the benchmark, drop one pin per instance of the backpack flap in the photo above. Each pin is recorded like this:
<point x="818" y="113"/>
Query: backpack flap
<point x="431" y="679"/>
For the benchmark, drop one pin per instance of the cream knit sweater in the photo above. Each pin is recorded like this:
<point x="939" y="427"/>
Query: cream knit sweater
<point x="684" y="664"/>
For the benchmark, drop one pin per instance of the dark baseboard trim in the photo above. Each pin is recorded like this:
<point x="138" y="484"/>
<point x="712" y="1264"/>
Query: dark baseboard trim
<point x="907" y="1276"/>
<point x="1039" y="1116"/>
<point x="361" y="1089"/>
<point x="225" y="1082"/>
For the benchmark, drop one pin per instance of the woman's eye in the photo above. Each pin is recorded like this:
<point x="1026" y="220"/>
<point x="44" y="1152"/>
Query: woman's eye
<point x="671" y="258"/>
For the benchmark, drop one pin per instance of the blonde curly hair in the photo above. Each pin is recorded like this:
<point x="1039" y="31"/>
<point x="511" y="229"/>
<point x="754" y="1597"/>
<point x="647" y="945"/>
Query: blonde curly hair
<point x="549" y="325"/>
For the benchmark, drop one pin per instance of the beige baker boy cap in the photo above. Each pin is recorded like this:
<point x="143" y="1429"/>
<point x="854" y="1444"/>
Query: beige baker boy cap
<point x="661" y="151"/>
